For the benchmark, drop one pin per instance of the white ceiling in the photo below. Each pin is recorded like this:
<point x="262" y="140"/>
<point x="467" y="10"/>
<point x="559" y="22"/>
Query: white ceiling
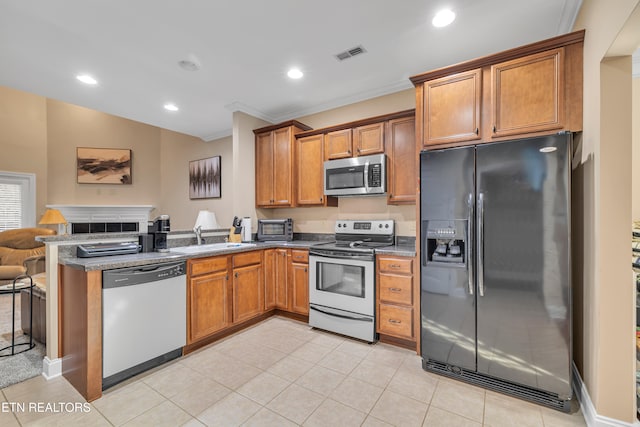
<point x="245" y="48"/>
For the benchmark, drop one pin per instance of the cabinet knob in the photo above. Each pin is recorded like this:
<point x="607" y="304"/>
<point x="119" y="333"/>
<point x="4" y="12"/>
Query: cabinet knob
<point x="494" y="128"/>
<point x="226" y="277"/>
<point x="305" y="269"/>
<point x="390" y="196"/>
<point x="321" y="199"/>
<point x="478" y="131"/>
<point x="348" y="151"/>
<point x="358" y="150"/>
<point x="236" y="275"/>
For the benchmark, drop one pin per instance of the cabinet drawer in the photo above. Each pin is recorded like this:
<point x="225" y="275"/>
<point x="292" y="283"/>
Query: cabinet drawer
<point x="300" y="256"/>
<point x="247" y="258"/>
<point x="396" y="321"/>
<point x="395" y="265"/>
<point x="396" y="289"/>
<point x="207" y="265"/>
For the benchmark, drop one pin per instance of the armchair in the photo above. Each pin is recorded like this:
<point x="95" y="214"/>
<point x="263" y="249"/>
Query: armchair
<point x="20" y="253"/>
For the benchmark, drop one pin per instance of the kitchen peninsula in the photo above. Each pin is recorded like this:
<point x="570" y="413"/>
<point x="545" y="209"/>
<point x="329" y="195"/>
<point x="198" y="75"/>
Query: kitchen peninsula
<point x="227" y="290"/>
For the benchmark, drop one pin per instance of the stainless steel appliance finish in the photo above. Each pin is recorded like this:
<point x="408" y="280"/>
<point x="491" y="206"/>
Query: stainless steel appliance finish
<point x="144" y="314"/>
<point x="342" y="278"/>
<point x="275" y="230"/>
<point x="495" y="267"/>
<point x="356" y="176"/>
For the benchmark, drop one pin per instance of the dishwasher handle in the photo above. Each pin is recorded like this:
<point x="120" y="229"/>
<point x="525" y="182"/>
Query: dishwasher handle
<point x="144" y="274"/>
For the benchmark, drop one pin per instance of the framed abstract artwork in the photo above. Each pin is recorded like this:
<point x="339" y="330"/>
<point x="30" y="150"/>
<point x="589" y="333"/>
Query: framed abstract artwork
<point x="103" y="165"/>
<point x="205" y="178"/>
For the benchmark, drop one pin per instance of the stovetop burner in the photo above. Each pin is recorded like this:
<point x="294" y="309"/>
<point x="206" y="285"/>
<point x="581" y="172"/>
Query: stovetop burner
<point x="360" y="236"/>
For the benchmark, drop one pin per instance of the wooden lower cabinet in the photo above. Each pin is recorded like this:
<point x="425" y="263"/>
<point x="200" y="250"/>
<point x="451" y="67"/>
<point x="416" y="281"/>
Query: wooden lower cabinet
<point x="300" y="288"/>
<point x="248" y="292"/>
<point x="397" y="306"/>
<point x="208" y="302"/>
<point x="287" y="277"/>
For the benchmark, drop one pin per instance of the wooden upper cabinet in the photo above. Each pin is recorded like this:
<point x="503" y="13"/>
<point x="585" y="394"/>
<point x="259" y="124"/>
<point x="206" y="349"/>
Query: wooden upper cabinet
<point x="282" y="167"/>
<point x="368" y="139"/>
<point x="275" y="171"/>
<point x="527" y="94"/>
<point x="338" y="144"/>
<point x="309" y="162"/>
<point x="401" y="161"/>
<point x="264" y="169"/>
<point x="527" y="91"/>
<point x="452" y="107"/>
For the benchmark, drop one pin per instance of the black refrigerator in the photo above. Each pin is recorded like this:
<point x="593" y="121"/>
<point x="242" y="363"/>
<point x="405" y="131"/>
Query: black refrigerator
<point x="495" y="266"/>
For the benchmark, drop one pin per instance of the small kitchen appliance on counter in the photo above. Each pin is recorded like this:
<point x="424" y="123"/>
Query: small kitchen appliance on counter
<point x="159" y="229"/>
<point x="342" y="278"/>
<point x="270" y="230"/>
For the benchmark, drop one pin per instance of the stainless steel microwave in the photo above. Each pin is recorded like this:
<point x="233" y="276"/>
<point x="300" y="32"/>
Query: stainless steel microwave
<point x="275" y="229"/>
<point x="356" y="176"/>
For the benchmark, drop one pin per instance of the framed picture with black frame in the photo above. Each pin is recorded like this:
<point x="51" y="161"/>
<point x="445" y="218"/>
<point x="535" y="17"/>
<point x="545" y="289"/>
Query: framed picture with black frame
<point x="205" y="178"/>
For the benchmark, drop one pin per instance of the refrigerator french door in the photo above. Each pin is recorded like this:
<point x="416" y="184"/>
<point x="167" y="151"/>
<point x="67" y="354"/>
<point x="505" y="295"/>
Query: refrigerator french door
<point x="495" y="267"/>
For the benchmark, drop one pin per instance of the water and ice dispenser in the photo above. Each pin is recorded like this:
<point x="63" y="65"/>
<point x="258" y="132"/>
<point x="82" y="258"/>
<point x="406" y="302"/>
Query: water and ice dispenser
<point x="446" y="242"/>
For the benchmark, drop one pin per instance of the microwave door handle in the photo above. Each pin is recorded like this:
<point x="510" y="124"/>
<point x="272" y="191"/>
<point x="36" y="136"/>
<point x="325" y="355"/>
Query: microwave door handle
<point x="366" y="177"/>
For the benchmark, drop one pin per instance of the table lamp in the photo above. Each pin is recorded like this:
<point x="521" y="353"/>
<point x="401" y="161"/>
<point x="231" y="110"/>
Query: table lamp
<point x="53" y="216"/>
<point x="206" y="220"/>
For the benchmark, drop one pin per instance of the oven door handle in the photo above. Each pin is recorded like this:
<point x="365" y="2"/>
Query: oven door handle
<point x="335" y="255"/>
<point x="342" y="316"/>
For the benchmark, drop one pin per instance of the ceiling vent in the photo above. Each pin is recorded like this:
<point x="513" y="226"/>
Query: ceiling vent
<point x="351" y="52"/>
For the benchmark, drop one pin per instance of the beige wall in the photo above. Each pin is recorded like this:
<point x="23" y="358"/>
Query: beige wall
<point x="70" y="126"/>
<point x="635" y="131"/>
<point x="176" y="152"/>
<point x="603" y="185"/>
<point x="23" y="138"/>
<point x="321" y="220"/>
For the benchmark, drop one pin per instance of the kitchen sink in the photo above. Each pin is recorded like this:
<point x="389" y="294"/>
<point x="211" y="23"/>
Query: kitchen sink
<point x="212" y="247"/>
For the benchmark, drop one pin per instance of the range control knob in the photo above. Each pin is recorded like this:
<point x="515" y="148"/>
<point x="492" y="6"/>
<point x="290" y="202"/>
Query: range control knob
<point x="386" y="226"/>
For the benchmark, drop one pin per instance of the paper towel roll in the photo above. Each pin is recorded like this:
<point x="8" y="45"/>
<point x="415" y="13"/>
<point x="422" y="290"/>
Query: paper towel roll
<point x="246" y="229"/>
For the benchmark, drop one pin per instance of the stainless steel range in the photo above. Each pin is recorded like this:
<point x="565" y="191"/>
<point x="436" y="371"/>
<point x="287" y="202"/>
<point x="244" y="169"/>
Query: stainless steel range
<point x="342" y="278"/>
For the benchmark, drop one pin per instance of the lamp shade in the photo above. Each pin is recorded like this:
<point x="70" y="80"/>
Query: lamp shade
<point x="52" y="216"/>
<point x="206" y="220"/>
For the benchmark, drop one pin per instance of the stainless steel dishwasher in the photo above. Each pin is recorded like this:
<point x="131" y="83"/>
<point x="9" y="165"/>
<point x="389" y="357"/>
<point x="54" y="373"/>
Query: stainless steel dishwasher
<point x="144" y="319"/>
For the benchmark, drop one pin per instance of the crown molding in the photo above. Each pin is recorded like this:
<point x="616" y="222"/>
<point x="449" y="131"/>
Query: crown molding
<point x="247" y="109"/>
<point x="568" y="16"/>
<point x="351" y="99"/>
<point x="218" y="135"/>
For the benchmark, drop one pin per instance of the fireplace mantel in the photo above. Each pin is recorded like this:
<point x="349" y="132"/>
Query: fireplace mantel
<point x="106" y="213"/>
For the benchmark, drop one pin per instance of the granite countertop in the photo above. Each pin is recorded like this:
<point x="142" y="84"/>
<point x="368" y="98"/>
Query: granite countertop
<point x="133" y="260"/>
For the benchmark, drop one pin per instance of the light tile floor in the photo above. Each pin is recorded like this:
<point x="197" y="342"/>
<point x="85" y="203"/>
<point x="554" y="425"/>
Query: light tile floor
<point x="279" y="373"/>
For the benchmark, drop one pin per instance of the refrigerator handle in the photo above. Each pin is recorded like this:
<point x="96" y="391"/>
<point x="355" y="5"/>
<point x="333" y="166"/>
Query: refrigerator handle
<point x="470" y="243"/>
<point x="480" y="244"/>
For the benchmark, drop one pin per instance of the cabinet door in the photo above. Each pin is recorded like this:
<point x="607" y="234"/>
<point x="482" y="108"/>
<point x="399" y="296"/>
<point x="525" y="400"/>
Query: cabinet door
<point x="264" y="169"/>
<point x="269" y="279"/>
<point x="281" y="282"/>
<point x="527" y="94"/>
<point x="452" y="108"/>
<point x="282" y="167"/>
<point x="338" y="144"/>
<point x="401" y="162"/>
<point x="309" y="163"/>
<point x="369" y="139"/>
<point x="248" y="292"/>
<point x="300" y="288"/>
<point x="208" y="305"/>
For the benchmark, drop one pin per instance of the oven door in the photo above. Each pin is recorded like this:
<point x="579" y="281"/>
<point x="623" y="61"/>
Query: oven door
<point x="343" y="281"/>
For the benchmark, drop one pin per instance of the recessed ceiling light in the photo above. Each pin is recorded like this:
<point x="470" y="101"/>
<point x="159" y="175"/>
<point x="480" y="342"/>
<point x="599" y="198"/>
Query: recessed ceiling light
<point x="85" y="78"/>
<point x="443" y="18"/>
<point x="295" y="73"/>
<point x="171" y="107"/>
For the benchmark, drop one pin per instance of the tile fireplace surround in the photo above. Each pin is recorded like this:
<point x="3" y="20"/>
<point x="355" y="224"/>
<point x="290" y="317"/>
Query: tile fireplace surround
<point x="106" y="214"/>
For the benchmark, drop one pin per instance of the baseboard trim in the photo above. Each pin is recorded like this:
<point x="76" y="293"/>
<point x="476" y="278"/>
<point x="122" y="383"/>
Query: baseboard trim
<point x="51" y="368"/>
<point x="591" y="417"/>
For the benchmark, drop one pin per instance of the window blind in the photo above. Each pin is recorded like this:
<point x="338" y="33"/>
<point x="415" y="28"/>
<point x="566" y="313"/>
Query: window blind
<point x="10" y="206"/>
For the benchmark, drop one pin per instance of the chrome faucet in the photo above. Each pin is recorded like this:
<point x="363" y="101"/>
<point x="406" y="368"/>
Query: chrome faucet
<point x="198" y="231"/>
